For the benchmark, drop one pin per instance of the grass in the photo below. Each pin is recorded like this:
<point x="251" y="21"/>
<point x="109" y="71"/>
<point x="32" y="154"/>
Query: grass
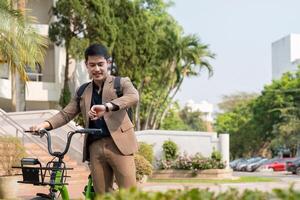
<point x="243" y="179"/>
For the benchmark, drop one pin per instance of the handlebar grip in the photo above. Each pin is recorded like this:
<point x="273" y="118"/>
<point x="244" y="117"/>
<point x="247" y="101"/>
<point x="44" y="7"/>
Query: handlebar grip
<point x="33" y="132"/>
<point x="40" y="133"/>
<point x="89" y="131"/>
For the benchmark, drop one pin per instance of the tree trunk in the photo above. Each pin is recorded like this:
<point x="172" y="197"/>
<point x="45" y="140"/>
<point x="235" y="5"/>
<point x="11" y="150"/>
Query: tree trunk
<point x="65" y="95"/>
<point x="148" y="114"/>
<point x="20" y="93"/>
<point x="19" y="87"/>
<point x="66" y="78"/>
<point x="171" y="99"/>
<point x="137" y="116"/>
<point x="152" y="119"/>
<point x="13" y="89"/>
<point x="138" y="107"/>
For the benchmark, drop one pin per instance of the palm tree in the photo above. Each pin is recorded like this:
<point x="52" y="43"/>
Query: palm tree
<point x="20" y="45"/>
<point x="189" y="57"/>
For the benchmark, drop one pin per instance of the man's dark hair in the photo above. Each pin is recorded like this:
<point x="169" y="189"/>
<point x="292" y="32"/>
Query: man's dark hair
<point x="96" y="50"/>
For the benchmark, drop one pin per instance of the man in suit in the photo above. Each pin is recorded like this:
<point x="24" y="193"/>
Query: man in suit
<point x="100" y="106"/>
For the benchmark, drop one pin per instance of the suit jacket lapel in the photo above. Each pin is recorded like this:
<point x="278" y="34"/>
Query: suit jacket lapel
<point x="108" y="86"/>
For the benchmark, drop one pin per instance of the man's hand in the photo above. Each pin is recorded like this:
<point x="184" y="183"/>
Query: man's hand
<point x="96" y="112"/>
<point x="38" y="127"/>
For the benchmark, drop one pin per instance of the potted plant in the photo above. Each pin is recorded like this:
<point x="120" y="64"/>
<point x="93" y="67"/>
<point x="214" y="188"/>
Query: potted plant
<point x="11" y="152"/>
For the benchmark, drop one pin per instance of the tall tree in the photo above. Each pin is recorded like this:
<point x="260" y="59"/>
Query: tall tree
<point x="268" y="122"/>
<point x="232" y="101"/>
<point x="68" y="25"/>
<point x="147" y="45"/>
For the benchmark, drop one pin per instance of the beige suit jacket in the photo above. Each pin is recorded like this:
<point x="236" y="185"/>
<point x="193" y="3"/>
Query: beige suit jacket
<point x="118" y="122"/>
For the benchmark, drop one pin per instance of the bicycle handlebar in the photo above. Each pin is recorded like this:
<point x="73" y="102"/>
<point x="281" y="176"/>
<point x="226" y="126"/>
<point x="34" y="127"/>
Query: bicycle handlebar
<point x="44" y="132"/>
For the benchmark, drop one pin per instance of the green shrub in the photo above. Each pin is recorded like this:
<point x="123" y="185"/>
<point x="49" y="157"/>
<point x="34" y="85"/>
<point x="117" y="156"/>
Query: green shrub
<point x="216" y="155"/>
<point x="170" y="150"/>
<point x="143" y="167"/>
<point x="146" y="150"/>
<point x="195" y="193"/>
<point x="11" y="152"/>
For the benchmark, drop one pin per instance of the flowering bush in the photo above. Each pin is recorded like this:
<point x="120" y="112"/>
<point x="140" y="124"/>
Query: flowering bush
<point x="165" y="164"/>
<point x="184" y="162"/>
<point x="196" y="162"/>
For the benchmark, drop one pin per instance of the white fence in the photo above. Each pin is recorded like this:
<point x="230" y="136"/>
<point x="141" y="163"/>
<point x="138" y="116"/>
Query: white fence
<point x="187" y="141"/>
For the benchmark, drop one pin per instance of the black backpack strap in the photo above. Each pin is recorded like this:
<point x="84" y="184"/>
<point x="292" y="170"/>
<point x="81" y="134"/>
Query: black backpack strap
<point x="119" y="93"/>
<point x="80" y="92"/>
<point x="117" y="86"/>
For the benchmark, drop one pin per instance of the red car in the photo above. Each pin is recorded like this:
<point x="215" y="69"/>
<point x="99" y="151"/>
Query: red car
<point x="278" y="164"/>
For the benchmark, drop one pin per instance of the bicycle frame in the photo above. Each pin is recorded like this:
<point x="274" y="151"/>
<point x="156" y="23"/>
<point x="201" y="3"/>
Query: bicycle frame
<point x="56" y="168"/>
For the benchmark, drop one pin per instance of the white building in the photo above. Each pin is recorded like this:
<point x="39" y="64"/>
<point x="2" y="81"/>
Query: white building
<point x="203" y="107"/>
<point x="285" y="55"/>
<point x="43" y="91"/>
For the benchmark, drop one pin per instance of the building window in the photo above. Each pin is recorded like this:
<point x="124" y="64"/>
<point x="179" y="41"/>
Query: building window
<point x="4" y="72"/>
<point x="34" y="74"/>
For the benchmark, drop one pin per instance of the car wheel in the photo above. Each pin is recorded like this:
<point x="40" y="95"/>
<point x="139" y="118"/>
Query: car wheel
<point x="298" y="170"/>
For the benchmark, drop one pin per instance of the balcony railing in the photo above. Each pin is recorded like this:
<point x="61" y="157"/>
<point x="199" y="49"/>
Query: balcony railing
<point x="34" y="76"/>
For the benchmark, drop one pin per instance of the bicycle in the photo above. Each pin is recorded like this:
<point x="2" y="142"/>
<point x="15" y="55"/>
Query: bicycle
<point x="55" y="170"/>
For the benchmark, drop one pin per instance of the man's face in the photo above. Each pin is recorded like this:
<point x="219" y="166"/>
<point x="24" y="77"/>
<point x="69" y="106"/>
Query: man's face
<point x="97" y="67"/>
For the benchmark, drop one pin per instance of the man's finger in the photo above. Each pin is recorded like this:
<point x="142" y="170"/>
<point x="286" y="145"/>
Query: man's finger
<point x="94" y="118"/>
<point x="93" y="109"/>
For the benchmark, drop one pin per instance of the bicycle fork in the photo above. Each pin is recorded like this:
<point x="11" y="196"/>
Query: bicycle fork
<point x="58" y="185"/>
<point x="89" y="192"/>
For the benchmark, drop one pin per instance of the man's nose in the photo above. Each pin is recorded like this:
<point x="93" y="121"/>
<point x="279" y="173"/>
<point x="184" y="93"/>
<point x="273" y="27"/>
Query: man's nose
<point x="97" y="67"/>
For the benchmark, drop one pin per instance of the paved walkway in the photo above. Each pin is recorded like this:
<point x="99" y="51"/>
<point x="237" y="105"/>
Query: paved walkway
<point x="75" y="189"/>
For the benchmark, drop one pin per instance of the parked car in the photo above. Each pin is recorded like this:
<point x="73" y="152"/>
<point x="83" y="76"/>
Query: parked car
<point x="235" y="162"/>
<point x="251" y="167"/>
<point x="276" y="164"/>
<point x="293" y="166"/>
<point x="243" y="166"/>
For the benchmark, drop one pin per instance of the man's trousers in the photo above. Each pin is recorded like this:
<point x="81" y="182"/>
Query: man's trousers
<point x="106" y="161"/>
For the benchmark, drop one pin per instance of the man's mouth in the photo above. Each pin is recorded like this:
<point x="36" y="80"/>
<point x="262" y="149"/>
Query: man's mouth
<point x="97" y="74"/>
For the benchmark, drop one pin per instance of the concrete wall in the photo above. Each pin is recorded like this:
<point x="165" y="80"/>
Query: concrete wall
<point x="187" y="141"/>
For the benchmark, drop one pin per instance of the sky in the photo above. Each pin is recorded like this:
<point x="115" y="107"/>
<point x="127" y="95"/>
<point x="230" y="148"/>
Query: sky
<point x="240" y="33"/>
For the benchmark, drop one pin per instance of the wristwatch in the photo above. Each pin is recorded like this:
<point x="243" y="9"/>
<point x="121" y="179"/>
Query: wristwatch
<point x="106" y="108"/>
